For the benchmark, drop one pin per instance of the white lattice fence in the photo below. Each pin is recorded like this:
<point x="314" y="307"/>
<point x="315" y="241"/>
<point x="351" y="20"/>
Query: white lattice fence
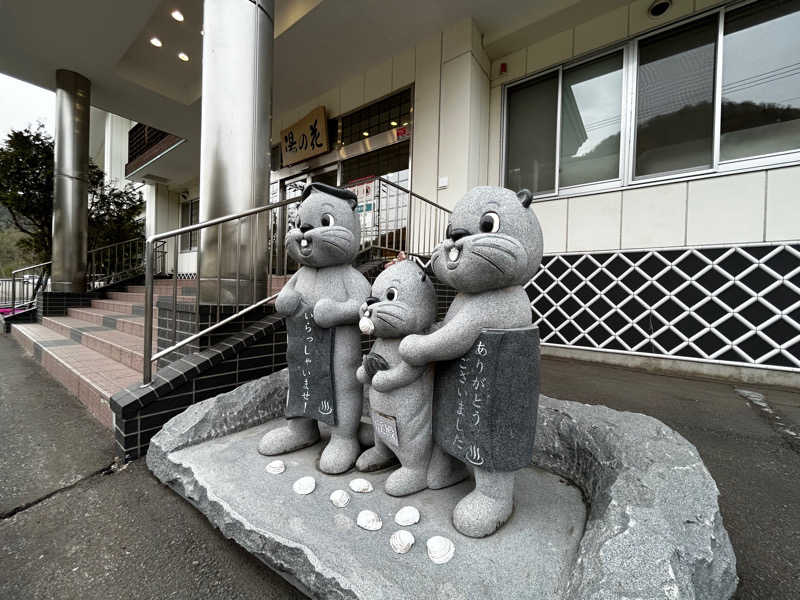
<point x="736" y="304"/>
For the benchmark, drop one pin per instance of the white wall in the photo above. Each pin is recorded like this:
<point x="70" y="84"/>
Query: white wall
<point x="750" y="207"/>
<point x="115" y="155"/>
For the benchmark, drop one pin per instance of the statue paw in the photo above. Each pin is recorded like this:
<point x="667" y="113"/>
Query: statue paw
<point x="381" y="382"/>
<point x="339" y="455"/>
<point x="444" y="470"/>
<point x="288" y="301"/>
<point x="375" y="459"/>
<point x="411" y="350"/>
<point x="406" y="481"/>
<point x="289" y="438"/>
<point x="325" y="313"/>
<point x="478" y="515"/>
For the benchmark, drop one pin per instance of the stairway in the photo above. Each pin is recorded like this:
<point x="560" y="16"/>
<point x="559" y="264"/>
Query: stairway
<point x="97" y="351"/>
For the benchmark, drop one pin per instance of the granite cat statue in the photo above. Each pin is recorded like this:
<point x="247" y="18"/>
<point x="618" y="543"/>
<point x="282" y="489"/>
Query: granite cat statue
<point x="321" y="302"/>
<point x="493" y="247"/>
<point x="403" y="301"/>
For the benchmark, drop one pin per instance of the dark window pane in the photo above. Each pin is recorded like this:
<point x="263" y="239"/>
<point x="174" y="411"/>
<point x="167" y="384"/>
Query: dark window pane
<point x="377" y="117"/>
<point x="675" y="99"/>
<point x="531" y="150"/>
<point x="761" y="80"/>
<point x="591" y="105"/>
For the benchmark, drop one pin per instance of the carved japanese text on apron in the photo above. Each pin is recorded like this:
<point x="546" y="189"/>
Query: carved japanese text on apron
<point x="309" y="354"/>
<point x="485" y="402"/>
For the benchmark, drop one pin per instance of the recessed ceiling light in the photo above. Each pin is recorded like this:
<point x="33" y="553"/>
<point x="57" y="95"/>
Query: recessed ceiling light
<point x="183" y="56"/>
<point x="177" y="15"/>
<point x="405" y="124"/>
<point x="156" y="42"/>
<point x="365" y="133"/>
<point x="393" y="123"/>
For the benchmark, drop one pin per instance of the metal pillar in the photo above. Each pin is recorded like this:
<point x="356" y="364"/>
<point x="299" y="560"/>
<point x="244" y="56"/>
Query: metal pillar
<point x="70" y="182"/>
<point x="234" y="147"/>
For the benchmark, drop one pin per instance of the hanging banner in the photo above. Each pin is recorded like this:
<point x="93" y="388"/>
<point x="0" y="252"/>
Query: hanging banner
<point x="306" y="138"/>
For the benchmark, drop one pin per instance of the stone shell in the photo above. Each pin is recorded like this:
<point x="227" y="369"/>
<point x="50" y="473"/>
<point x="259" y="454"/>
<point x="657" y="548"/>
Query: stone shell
<point x="369" y="520"/>
<point x="440" y="549"/>
<point x="408" y="515"/>
<point x="276" y="467"/>
<point x="361" y="486"/>
<point x="340" y="498"/>
<point x="304" y="485"/>
<point x="401" y="541"/>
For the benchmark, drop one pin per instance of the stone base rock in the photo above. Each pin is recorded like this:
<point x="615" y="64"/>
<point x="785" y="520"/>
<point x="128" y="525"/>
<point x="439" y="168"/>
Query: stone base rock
<point x="653" y="528"/>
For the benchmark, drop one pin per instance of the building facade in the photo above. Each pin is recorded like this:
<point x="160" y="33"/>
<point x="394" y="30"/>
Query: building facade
<point x="661" y="141"/>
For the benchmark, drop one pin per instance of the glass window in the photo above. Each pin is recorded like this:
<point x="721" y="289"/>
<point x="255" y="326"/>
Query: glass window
<point x="386" y="114"/>
<point x="675" y="99"/>
<point x="591" y="101"/>
<point x="190" y="214"/>
<point x="761" y="80"/>
<point x="531" y="135"/>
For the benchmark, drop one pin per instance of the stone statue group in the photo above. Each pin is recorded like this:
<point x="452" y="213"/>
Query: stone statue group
<point x="447" y="399"/>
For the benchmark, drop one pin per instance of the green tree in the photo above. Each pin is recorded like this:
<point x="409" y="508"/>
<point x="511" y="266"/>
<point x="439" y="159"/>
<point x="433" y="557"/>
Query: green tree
<point x="26" y="192"/>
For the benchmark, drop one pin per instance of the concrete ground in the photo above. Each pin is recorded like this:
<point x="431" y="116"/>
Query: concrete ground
<point x="74" y="526"/>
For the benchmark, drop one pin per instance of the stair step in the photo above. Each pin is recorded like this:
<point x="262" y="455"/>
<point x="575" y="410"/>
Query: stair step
<point x="122" y="307"/>
<point x="90" y="375"/>
<point x="127" y="323"/>
<point x="186" y="288"/>
<point x="121" y="347"/>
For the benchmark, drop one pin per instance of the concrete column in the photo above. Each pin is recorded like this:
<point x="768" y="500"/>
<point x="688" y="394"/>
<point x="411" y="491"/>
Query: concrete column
<point x="234" y="146"/>
<point x="70" y="182"/>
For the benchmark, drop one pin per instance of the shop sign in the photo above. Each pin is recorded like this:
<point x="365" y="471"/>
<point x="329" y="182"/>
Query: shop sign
<point x="306" y="138"/>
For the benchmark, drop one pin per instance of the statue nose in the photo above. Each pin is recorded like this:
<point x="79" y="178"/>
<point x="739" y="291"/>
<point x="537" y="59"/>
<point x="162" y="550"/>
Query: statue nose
<point x="457" y="234"/>
<point x="305" y="227"/>
<point x="371" y="300"/>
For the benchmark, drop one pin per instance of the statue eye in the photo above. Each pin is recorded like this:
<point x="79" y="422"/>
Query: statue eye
<point x="327" y="220"/>
<point x="391" y="294"/>
<point x="490" y="222"/>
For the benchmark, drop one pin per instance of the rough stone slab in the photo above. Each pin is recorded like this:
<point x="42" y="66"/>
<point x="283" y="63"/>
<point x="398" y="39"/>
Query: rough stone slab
<point x="653" y="530"/>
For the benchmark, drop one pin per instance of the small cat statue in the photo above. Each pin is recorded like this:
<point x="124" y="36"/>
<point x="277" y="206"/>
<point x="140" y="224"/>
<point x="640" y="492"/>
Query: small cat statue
<point x="493" y="247"/>
<point x="323" y="298"/>
<point x="403" y="301"/>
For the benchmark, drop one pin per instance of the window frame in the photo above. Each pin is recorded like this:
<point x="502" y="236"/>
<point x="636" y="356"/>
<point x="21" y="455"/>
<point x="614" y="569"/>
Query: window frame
<point x="192" y="235"/>
<point x="627" y="151"/>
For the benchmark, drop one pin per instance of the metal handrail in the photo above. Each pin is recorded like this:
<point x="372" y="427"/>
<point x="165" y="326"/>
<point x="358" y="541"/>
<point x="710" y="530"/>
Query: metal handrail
<point x="206" y="331"/>
<point x="398" y="237"/>
<point x="148" y="357"/>
<point x="14" y="283"/>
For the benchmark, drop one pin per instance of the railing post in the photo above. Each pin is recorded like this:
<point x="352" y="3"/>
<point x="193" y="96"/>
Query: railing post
<point x="13" y="293"/>
<point x="147" y="374"/>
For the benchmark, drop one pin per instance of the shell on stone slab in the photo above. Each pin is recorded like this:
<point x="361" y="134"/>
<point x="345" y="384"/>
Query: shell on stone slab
<point x="401" y="541"/>
<point x="369" y="520"/>
<point x="304" y="485"/>
<point x="340" y="498"/>
<point x="361" y="486"/>
<point x="440" y="549"/>
<point x="276" y="467"/>
<point x="408" y="515"/>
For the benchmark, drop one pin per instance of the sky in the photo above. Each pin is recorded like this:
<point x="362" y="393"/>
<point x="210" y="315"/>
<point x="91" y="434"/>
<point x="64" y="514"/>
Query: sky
<point x="22" y="104"/>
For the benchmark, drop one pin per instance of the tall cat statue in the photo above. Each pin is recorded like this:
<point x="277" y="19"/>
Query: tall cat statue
<point x="493" y="247"/>
<point x="403" y="301"/>
<point x="321" y="302"/>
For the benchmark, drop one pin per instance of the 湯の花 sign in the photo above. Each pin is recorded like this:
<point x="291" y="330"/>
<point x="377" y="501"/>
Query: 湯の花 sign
<point x="306" y="138"/>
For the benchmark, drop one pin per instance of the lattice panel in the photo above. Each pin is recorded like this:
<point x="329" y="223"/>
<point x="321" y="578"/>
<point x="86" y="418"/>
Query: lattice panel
<point x="736" y="304"/>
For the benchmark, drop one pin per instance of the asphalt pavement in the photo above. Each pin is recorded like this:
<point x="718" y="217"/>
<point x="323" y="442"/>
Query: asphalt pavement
<point x="75" y="525"/>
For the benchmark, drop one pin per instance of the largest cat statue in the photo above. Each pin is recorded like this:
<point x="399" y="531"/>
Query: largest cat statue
<point x="493" y="247"/>
<point x="328" y="291"/>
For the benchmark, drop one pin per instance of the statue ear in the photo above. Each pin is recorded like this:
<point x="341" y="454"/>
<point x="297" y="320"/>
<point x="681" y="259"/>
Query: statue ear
<point x="525" y="197"/>
<point x="353" y="202"/>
